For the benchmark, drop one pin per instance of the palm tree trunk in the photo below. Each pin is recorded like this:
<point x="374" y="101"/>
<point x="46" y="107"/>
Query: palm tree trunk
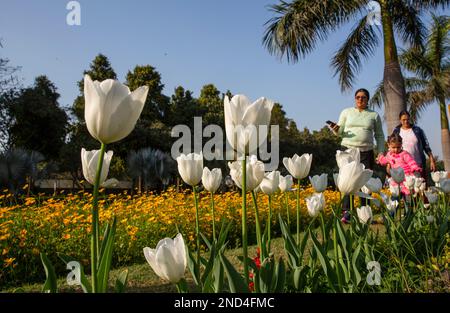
<point x="393" y="82"/>
<point x="445" y="135"/>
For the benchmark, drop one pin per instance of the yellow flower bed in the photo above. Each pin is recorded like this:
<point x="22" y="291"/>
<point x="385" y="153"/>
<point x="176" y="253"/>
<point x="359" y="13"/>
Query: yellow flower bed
<point x="63" y="223"/>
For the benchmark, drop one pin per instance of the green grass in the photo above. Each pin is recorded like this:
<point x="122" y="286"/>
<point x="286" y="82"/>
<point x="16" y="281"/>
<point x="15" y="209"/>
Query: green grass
<point x="141" y="277"/>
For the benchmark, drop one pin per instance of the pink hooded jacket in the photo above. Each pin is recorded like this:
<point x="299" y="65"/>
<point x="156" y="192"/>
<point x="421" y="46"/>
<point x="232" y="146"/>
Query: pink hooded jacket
<point x="403" y="160"/>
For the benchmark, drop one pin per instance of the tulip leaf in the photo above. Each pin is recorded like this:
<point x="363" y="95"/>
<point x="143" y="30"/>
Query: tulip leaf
<point x="106" y="258"/>
<point x="218" y="275"/>
<point x="235" y="280"/>
<point x="85" y="283"/>
<point x="299" y="277"/>
<point x="104" y="242"/>
<point x="289" y="244"/>
<point x="208" y="243"/>
<point x="121" y="281"/>
<point x="50" y="285"/>
<point x="192" y="264"/>
<point x="355" y="267"/>
<point x="223" y="234"/>
<point x="210" y="263"/>
<point x="281" y="276"/>
<point x="323" y="259"/>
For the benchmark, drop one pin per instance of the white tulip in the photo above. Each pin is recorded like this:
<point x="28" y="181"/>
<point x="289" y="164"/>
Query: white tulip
<point x="391" y="205"/>
<point x="352" y="177"/>
<point x="430" y="219"/>
<point x="418" y="182"/>
<point x="319" y="183"/>
<point x="297" y="166"/>
<point x="270" y="182"/>
<point x="398" y="174"/>
<point x="211" y="179"/>
<point x="111" y="110"/>
<point x="315" y="204"/>
<point x="437" y="176"/>
<point x="394" y="190"/>
<point x="347" y="156"/>
<point x="373" y="185"/>
<point x="445" y="185"/>
<point x="89" y="161"/>
<point x="168" y="260"/>
<point x="254" y="171"/>
<point x="286" y="183"/>
<point x="410" y="181"/>
<point x="190" y="168"/>
<point x="364" y="214"/>
<point x="243" y="119"/>
<point x="431" y="196"/>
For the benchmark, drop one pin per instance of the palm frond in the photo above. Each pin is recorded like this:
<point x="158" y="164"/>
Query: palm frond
<point x="439" y="41"/>
<point x="418" y="101"/>
<point x="377" y="99"/>
<point x="361" y="42"/>
<point x="414" y="60"/>
<point x="407" y="22"/>
<point x="300" y="24"/>
<point x="429" y="4"/>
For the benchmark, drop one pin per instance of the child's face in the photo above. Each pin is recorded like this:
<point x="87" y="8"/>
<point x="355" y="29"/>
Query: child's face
<point x="395" y="147"/>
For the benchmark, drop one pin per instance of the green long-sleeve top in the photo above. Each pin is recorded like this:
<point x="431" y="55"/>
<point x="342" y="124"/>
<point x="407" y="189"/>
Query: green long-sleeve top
<point x="358" y="129"/>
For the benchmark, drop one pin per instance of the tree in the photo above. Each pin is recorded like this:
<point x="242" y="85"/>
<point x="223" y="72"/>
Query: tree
<point x="38" y="122"/>
<point x="431" y="66"/>
<point x="302" y="23"/>
<point x="183" y="106"/>
<point x="211" y="106"/>
<point x="157" y="104"/>
<point x="8" y="82"/>
<point x="100" y="69"/>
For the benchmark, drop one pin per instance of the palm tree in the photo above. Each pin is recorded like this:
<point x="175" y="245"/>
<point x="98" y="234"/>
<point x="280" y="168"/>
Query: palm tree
<point x="302" y="23"/>
<point x="431" y="66"/>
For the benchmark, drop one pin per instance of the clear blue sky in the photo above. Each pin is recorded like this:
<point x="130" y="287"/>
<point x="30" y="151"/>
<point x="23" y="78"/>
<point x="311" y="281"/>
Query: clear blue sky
<point x="191" y="43"/>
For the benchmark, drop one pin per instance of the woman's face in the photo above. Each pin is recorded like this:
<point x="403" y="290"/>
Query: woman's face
<point x="361" y="100"/>
<point x="404" y="120"/>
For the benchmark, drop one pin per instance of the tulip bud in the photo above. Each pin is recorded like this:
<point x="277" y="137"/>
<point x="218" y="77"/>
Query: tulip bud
<point x="243" y="120"/>
<point x="373" y="185"/>
<point x="315" y="204"/>
<point x="89" y="162"/>
<point x="297" y="166"/>
<point x="168" y="260"/>
<point x="352" y="177"/>
<point x="431" y="196"/>
<point x="212" y="179"/>
<point x="190" y="168"/>
<point x="254" y="171"/>
<point x="270" y="182"/>
<point x="398" y="174"/>
<point x="410" y="181"/>
<point x="319" y="183"/>
<point x="286" y="183"/>
<point x="364" y="214"/>
<point x="111" y="110"/>
<point x="445" y="185"/>
<point x="347" y="156"/>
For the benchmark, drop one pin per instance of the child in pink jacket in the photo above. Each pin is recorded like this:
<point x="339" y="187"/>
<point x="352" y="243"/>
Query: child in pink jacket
<point x="397" y="157"/>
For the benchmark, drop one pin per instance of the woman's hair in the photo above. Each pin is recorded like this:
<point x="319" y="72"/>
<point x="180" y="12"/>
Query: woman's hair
<point x="404" y="112"/>
<point x="363" y="90"/>
<point x="394" y="138"/>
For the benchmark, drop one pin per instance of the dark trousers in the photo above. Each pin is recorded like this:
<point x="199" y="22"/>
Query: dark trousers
<point x="368" y="159"/>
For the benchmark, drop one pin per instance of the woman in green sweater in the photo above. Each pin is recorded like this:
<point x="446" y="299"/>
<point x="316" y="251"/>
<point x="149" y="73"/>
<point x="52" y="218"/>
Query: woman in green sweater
<point x="358" y="126"/>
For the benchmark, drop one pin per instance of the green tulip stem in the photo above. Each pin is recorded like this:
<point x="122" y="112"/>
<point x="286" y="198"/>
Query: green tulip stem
<point x="298" y="212"/>
<point x="244" y="220"/>
<point x="182" y="286"/>
<point x="213" y="217"/>
<point x="197" y="231"/>
<point x="269" y="220"/>
<point x="287" y="208"/>
<point x="95" y="253"/>
<point x="399" y="200"/>
<point x="258" y="226"/>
